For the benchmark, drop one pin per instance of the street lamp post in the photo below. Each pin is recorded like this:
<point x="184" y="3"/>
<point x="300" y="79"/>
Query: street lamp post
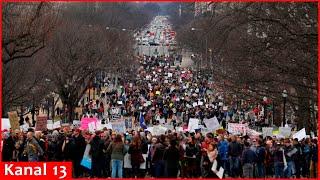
<point x="284" y="96"/>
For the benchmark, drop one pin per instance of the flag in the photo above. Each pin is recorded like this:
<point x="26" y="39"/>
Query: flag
<point x="141" y="120"/>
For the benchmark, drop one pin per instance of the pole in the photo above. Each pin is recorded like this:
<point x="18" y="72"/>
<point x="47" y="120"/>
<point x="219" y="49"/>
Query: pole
<point x="284" y="111"/>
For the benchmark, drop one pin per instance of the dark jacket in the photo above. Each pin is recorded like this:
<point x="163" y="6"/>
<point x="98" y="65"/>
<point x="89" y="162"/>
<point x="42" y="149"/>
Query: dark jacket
<point x="234" y="149"/>
<point x="248" y="156"/>
<point x="172" y="157"/>
<point x="261" y="154"/>
<point x="79" y="148"/>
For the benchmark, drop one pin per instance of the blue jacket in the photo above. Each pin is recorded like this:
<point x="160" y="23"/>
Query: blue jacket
<point x="223" y="149"/>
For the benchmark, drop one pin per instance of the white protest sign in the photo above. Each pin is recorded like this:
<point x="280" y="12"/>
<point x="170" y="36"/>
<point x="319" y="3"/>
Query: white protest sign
<point x="76" y="123"/>
<point x="225" y="108"/>
<point x="25" y="127"/>
<point x="169" y="74"/>
<point x="300" y="134"/>
<point x="200" y="103"/>
<point x="267" y="131"/>
<point x="92" y="126"/>
<point x="236" y="128"/>
<point x="162" y="121"/>
<point x="56" y="125"/>
<point x="193" y="124"/>
<point x="195" y="104"/>
<point x="285" y="131"/>
<point x="5" y="124"/>
<point x="212" y="124"/>
<point x="159" y="130"/>
<point x="179" y="129"/>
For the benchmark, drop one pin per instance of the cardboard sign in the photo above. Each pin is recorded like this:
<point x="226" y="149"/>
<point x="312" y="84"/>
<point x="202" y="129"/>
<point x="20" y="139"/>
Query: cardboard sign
<point x="5" y="124"/>
<point x="285" y="131"/>
<point x="193" y="124"/>
<point x="14" y="120"/>
<point x="300" y="134"/>
<point x="236" y="128"/>
<point x="41" y="123"/>
<point x="212" y="124"/>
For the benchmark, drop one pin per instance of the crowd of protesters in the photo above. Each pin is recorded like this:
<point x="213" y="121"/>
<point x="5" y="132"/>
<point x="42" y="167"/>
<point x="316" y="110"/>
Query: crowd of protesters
<point x="166" y="94"/>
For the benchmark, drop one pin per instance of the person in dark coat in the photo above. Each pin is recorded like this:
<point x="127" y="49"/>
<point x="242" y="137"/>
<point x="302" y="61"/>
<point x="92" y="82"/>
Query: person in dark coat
<point x="135" y="151"/>
<point x="172" y="157"/>
<point x="80" y="146"/>
<point x="8" y="147"/>
<point x="96" y="152"/>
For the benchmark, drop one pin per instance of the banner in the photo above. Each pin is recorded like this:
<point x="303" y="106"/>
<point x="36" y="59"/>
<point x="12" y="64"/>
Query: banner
<point x="300" y="134"/>
<point x="5" y="124"/>
<point x="14" y="120"/>
<point x="285" y="131"/>
<point x="236" y="128"/>
<point x="41" y="123"/>
<point x="267" y="131"/>
<point x="212" y="124"/>
<point x="193" y="124"/>
<point x="119" y="126"/>
<point x="85" y="121"/>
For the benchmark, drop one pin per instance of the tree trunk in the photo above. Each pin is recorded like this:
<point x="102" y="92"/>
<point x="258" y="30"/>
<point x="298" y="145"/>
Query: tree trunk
<point x="304" y="113"/>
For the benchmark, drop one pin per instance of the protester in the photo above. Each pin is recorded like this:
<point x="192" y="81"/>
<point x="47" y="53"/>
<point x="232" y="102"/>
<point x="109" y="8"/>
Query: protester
<point x="117" y="151"/>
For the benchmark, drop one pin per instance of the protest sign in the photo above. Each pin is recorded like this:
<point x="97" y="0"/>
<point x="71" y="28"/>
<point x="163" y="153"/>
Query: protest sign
<point x="86" y="159"/>
<point x="41" y="123"/>
<point x="128" y="123"/>
<point x="92" y="126"/>
<point x="14" y="120"/>
<point x="24" y="127"/>
<point x="119" y="126"/>
<point x="236" y="128"/>
<point x="285" y="131"/>
<point x="193" y="124"/>
<point x="267" y="131"/>
<point x="195" y="104"/>
<point x="200" y="103"/>
<point x="5" y="124"/>
<point x="56" y="124"/>
<point x="85" y="121"/>
<point x="212" y="124"/>
<point x="158" y="130"/>
<point x="300" y="134"/>
<point x="76" y="123"/>
<point x="170" y="75"/>
<point x="179" y="129"/>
